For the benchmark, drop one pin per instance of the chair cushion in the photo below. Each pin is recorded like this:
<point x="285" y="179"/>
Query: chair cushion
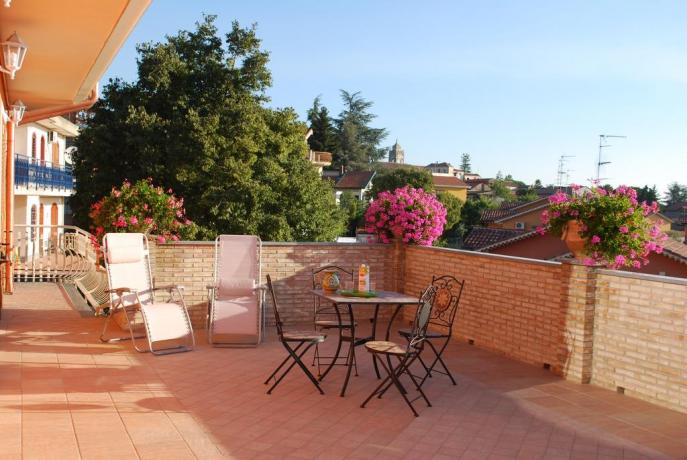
<point x="430" y="334"/>
<point x="304" y="336"/>
<point x="387" y="348"/>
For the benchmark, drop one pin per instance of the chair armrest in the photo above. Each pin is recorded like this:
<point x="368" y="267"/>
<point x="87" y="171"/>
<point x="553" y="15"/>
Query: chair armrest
<point x="119" y="291"/>
<point x="168" y="287"/>
<point x="211" y="286"/>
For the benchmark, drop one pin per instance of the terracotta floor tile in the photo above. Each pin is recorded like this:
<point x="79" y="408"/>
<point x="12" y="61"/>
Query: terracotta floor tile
<point x="63" y="394"/>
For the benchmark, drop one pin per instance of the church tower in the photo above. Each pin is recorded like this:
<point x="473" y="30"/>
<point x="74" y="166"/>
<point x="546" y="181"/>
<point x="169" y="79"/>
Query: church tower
<point x="396" y="154"/>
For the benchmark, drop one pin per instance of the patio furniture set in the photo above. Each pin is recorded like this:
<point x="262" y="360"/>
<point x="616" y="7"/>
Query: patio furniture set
<point x="236" y="300"/>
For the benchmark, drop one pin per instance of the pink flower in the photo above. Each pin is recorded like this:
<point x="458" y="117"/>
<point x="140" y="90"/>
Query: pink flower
<point x="120" y="222"/>
<point x="133" y="220"/>
<point x="148" y="220"/>
<point x="596" y="239"/>
<point x="541" y="230"/>
<point x="161" y="239"/>
<point x="588" y="261"/>
<point x="620" y="260"/>
<point x="636" y="264"/>
<point x="624" y="229"/>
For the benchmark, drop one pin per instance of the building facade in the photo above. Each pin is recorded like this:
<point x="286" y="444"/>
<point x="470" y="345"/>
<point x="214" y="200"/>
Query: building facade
<point x="397" y="154"/>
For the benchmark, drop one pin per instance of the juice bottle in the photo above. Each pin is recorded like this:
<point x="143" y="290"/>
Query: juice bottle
<point x="363" y="278"/>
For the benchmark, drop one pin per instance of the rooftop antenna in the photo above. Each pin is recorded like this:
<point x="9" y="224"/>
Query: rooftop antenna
<point x="563" y="173"/>
<point x="603" y="143"/>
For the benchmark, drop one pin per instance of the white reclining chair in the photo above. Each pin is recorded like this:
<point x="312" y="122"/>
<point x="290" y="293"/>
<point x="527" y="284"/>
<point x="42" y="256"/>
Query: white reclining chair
<point x="236" y="297"/>
<point x="167" y="324"/>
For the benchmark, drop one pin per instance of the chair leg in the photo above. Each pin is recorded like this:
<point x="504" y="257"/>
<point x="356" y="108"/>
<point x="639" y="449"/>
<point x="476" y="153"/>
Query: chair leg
<point x="406" y="369"/>
<point x="296" y="360"/>
<point x="335" y="358"/>
<point x="379" y="387"/>
<point x="393" y="378"/>
<point x="438" y="359"/>
<point x="282" y="364"/>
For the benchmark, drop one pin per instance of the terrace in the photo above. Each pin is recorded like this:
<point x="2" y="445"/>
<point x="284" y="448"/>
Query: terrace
<point x="541" y="353"/>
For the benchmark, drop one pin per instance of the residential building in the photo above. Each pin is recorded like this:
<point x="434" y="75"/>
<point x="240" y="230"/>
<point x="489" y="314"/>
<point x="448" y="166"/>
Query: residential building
<point x="42" y="179"/>
<point x="442" y="169"/>
<point x="355" y="182"/>
<point x="677" y="212"/>
<point x="54" y="69"/>
<point x="671" y="262"/>
<point x="516" y="215"/>
<point x="397" y="154"/>
<point x="450" y="184"/>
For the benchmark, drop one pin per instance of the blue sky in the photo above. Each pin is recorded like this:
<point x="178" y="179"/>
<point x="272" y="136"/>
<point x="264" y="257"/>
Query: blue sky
<point x="515" y="84"/>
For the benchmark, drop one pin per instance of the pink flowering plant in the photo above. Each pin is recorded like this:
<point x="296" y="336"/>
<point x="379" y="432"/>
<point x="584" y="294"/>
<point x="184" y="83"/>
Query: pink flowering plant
<point x="615" y="226"/>
<point x="141" y="208"/>
<point x="408" y="213"/>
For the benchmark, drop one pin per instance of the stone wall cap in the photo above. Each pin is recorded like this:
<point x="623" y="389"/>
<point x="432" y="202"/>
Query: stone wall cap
<point x="550" y="263"/>
<point x="644" y="276"/>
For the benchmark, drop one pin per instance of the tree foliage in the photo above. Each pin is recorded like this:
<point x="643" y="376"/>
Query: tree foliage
<point x="676" y="193"/>
<point x="391" y="179"/>
<point x="196" y="121"/>
<point x="324" y="135"/>
<point x="465" y="163"/>
<point x="353" y="210"/>
<point x="646" y="193"/>
<point x="453" y="207"/>
<point x="354" y="143"/>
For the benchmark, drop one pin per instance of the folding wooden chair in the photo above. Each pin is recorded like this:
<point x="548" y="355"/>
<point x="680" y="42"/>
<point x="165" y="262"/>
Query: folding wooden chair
<point x="296" y="343"/>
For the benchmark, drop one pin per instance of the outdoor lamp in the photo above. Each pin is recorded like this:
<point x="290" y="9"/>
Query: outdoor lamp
<point x="17" y="113"/>
<point x="6" y="3"/>
<point x="14" y="51"/>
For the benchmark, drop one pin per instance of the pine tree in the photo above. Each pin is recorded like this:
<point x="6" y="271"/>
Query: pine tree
<point x="358" y="143"/>
<point x="323" y="138"/>
<point x="465" y="163"/>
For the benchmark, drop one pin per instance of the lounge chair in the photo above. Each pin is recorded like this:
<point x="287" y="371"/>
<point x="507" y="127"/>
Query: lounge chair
<point x="236" y="296"/>
<point x="166" y="323"/>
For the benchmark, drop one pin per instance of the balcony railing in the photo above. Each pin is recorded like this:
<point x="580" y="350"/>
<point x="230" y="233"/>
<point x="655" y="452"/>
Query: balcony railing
<point x="34" y="173"/>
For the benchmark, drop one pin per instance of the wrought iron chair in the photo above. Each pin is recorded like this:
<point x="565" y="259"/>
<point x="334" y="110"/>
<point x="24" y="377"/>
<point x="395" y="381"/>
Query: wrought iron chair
<point x="405" y="355"/>
<point x="296" y="344"/>
<point x="327" y="316"/>
<point x="446" y="300"/>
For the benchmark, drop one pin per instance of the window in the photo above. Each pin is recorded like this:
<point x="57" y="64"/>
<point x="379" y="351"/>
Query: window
<point x="520" y="225"/>
<point x="33" y="145"/>
<point x="32" y="230"/>
<point x="42" y="149"/>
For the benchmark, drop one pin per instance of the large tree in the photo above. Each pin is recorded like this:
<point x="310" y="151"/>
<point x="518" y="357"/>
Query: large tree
<point x="676" y="193"/>
<point x="646" y="193"/>
<point x="323" y="138"/>
<point x="465" y="163"/>
<point x="358" y="143"/>
<point x="196" y="121"/>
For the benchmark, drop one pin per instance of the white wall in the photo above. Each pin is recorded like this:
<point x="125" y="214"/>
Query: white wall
<point x="22" y="142"/>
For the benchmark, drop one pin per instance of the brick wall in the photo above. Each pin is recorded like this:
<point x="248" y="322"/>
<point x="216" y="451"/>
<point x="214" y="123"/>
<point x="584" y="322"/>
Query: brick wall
<point x="289" y="264"/>
<point x="509" y="305"/>
<point x="639" y="337"/>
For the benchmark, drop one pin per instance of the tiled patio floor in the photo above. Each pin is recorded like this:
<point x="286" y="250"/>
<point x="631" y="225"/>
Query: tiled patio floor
<point x="63" y="394"/>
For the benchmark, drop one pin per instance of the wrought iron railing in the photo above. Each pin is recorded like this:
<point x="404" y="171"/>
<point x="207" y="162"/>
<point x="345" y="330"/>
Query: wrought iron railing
<point x="34" y="173"/>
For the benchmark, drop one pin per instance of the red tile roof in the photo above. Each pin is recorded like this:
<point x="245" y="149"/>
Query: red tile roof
<point x="480" y="237"/>
<point x="676" y="250"/>
<point x="355" y="179"/>
<point x="448" y="181"/>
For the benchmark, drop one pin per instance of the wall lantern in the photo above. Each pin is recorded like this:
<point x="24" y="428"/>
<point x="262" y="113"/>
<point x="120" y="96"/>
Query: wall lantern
<point x="14" y="51"/>
<point x="17" y="111"/>
<point x="6" y="3"/>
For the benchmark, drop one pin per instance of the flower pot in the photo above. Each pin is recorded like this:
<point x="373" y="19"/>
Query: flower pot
<point x="573" y="239"/>
<point x="330" y="281"/>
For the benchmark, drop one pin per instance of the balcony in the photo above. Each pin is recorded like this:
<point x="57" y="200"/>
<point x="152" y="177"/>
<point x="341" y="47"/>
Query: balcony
<point x="42" y="176"/>
<point x="552" y="360"/>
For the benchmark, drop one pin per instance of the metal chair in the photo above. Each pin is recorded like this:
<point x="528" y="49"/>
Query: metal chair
<point x="327" y="316"/>
<point x="405" y="355"/>
<point x="296" y="343"/>
<point x="446" y="300"/>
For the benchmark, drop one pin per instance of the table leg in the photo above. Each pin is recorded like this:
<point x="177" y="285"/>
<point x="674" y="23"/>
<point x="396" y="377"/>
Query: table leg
<point x="351" y="351"/>
<point x="338" y="346"/>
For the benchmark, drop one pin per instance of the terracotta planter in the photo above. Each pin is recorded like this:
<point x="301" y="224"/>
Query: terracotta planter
<point x="573" y="239"/>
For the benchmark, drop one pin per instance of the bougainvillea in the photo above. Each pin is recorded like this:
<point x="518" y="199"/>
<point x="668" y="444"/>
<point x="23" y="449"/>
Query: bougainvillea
<point x="408" y="213"/>
<point x="615" y="225"/>
<point x="141" y="208"/>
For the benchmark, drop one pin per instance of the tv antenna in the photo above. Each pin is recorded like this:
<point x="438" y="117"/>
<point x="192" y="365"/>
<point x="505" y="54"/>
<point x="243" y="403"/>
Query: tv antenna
<point x="603" y="143"/>
<point x="563" y="174"/>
